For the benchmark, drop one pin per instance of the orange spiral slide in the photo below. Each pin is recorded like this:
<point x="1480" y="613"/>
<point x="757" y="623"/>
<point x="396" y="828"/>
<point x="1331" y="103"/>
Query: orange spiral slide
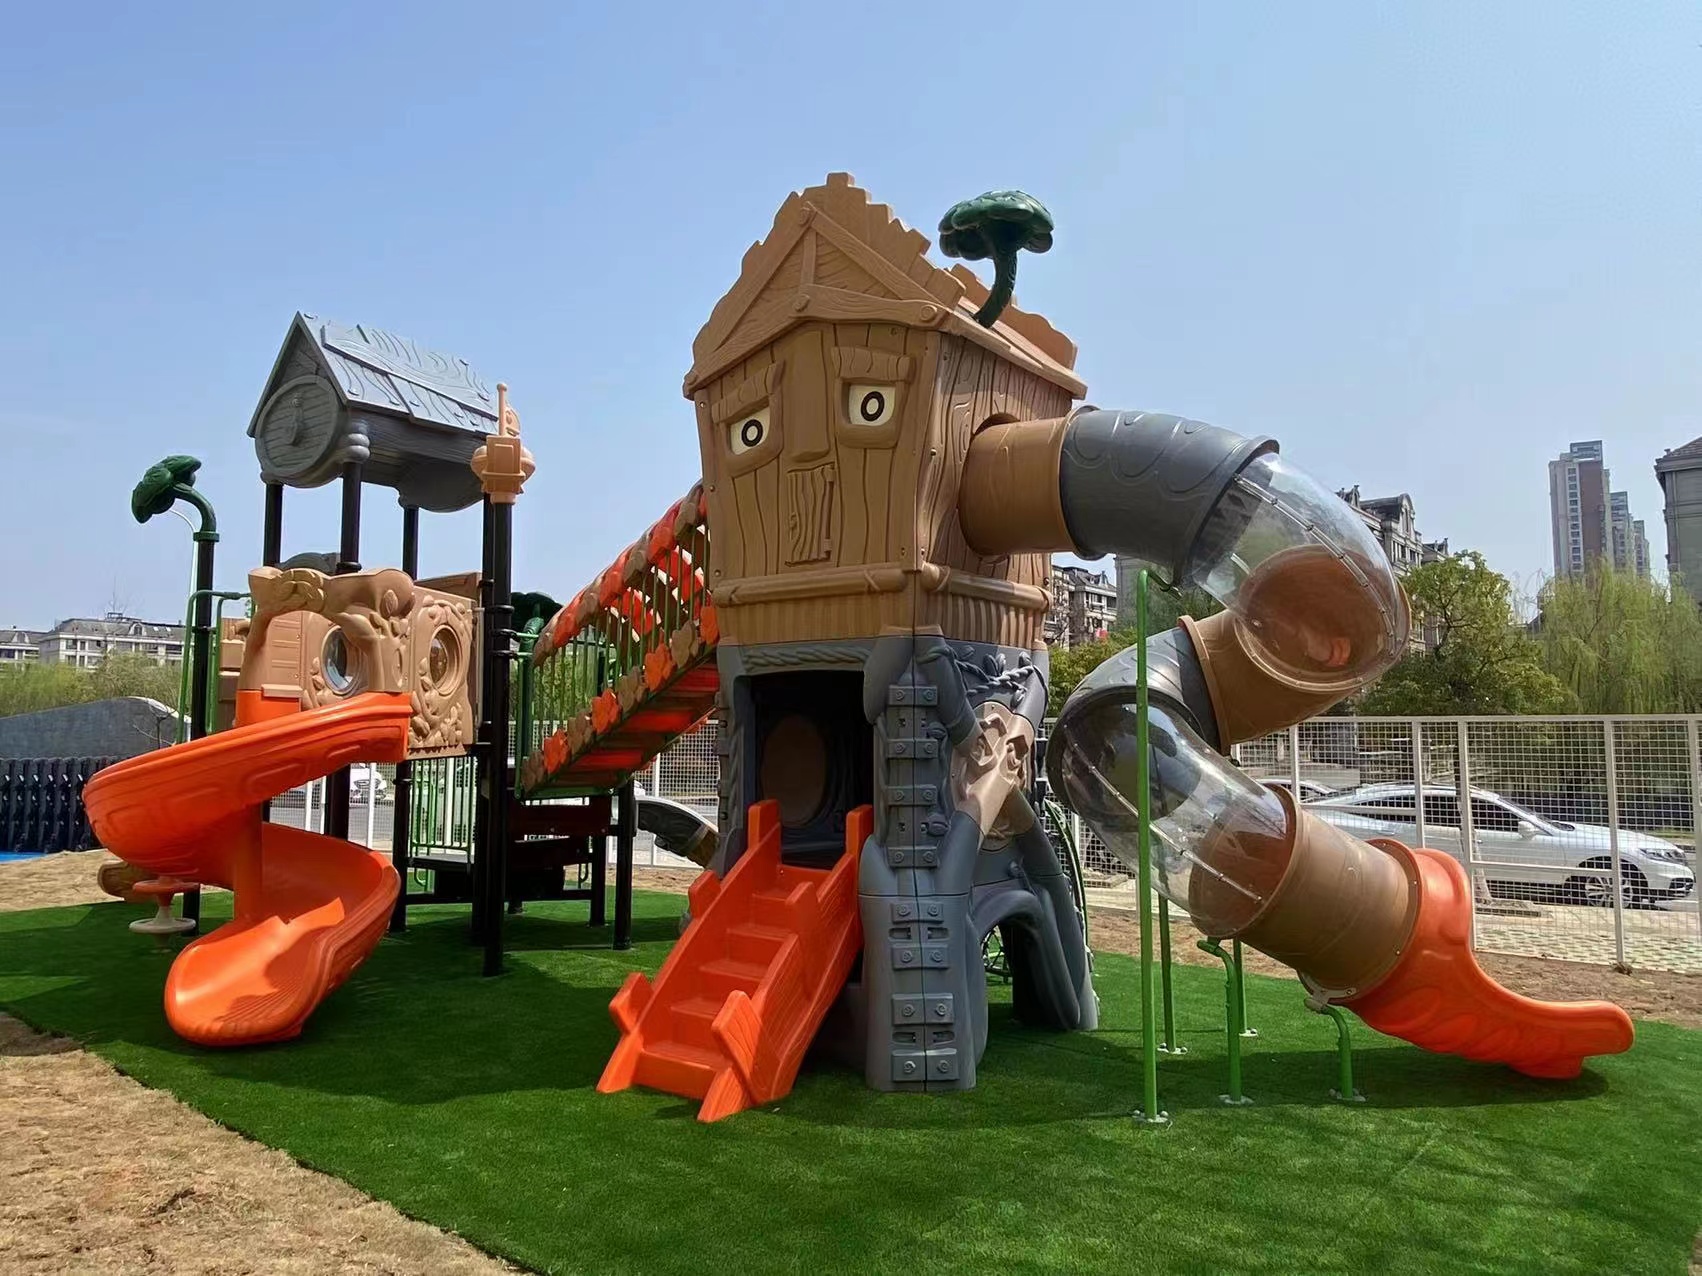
<point x="308" y="908"/>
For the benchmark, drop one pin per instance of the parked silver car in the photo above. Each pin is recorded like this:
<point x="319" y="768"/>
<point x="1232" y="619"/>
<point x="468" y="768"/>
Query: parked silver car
<point x="1309" y="790"/>
<point x="1518" y="851"/>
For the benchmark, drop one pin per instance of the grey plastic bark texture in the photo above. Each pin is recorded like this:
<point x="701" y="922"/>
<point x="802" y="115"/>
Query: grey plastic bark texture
<point x="1175" y="681"/>
<point x="1144" y="483"/>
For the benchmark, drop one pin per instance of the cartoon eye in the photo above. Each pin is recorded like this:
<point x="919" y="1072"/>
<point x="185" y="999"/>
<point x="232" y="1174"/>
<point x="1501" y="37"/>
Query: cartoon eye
<point x="748" y="431"/>
<point x="870" y="404"/>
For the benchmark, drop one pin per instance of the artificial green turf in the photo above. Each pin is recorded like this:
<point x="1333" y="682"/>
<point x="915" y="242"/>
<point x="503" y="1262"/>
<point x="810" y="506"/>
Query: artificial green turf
<point x="470" y="1103"/>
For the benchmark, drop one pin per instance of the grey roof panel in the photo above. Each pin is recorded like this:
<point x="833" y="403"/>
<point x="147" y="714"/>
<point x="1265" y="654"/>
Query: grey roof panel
<point x="424" y="383"/>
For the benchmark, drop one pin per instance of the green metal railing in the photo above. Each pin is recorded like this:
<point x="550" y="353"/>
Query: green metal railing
<point x="624" y="638"/>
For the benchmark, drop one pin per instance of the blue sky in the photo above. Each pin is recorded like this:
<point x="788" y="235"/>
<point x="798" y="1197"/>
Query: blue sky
<point x="1425" y="245"/>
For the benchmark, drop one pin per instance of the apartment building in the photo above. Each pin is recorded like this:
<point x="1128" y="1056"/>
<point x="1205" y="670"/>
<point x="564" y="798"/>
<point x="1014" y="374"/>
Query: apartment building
<point x="20" y="645"/>
<point x="86" y="641"/>
<point x="1679" y="472"/>
<point x="1084" y="606"/>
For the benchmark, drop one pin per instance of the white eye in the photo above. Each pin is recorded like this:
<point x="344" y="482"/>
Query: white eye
<point x="870" y="404"/>
<point x="748" y="431"/>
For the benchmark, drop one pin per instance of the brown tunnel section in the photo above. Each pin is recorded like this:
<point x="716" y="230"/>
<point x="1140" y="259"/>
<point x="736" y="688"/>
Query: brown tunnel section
<point x="1335" y="909"/>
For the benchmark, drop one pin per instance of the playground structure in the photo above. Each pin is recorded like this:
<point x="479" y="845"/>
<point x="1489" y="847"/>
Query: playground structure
<point x="891" y="452"/>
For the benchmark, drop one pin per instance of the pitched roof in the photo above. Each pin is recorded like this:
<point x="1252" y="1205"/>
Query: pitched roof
<point x="1690" y="451"/>
<point x="832" y="254"/>
<point x="372" y="368"/>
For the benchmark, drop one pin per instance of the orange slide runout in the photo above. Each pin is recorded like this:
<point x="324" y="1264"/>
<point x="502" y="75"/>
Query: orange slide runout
<point x="740" y="997"/>
<point x="1438" y="997"/>
<point x="308" y="908"/>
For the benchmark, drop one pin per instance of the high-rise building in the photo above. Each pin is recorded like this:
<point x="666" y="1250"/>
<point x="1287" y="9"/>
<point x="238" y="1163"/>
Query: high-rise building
<point x="1578" y="508"/>
<point x="1629" y="545"/>
<point x="1679" y="471"/>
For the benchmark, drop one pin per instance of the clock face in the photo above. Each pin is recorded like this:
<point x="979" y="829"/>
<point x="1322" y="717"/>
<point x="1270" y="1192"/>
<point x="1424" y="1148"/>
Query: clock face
<point x="297" y="427"/>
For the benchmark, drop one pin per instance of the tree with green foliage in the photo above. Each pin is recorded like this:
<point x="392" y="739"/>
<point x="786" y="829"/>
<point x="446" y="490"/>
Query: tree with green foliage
<point x="1480" y="659"/>
<point x="1623" y="645"/>
<point x="1165" y="609"/>
<point x="33" y="687"/>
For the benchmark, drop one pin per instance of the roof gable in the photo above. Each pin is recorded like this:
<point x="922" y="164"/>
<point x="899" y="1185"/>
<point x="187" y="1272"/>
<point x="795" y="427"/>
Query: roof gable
<point x="377" y="370"/>
<point x="1685" y="452"/>
<point x="834" y="254"/>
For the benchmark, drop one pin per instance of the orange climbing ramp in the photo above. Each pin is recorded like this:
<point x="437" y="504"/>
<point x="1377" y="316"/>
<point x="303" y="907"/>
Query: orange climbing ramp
<point x="1439" y="998"/>
<point x="740" y="997"/>
<point x="308" y="908"/>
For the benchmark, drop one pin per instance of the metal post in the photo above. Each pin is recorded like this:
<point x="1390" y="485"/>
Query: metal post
<point x="656" y="777"/>
<point x="200" y="657"/>
<point x="402" y="800"/>
<point x="1691" y="744"/>
<point x="1611" y="758"/>
<point x="499" y="623"/>
<point x="348" y="561"/>
<point x="479" y="845"/>
<point x="1344" y="1090"/>
<point x="1149" y="1112"/>
<point x="1294" y="760"/>
<point x="272" y="530"/>
<point x="1418" y="779"/>
<point x="1232" y="1021"/>
<point x="1168" y="1045"/>
<point x="626" y="830"/>
<point x="1241" y="989"/>
<point x="1463" y="799"/>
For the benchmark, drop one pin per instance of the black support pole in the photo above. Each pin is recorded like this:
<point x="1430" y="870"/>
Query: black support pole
<point x="626" y="833"/>
<point x="272" y="531"/>
<point x="271" y="554"/>
<point x="481" y="740"/>
<point x="402" y="805"/>
<point x="348" y="561"/>
<point x="200" y="665"/>
<point x="499" y="637"/>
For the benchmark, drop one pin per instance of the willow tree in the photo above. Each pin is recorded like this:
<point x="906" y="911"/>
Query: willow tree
<point x="1477" y="658"/>
<point x="1623" y="645"/>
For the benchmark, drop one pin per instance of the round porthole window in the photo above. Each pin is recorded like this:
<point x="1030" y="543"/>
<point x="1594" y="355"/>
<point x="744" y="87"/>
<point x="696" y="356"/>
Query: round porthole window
<point x="443" y="658"/>
<point x="342" y="672"/>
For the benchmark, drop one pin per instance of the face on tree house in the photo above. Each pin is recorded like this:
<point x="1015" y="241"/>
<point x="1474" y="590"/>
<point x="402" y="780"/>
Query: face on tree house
<point x="837" y="386"/>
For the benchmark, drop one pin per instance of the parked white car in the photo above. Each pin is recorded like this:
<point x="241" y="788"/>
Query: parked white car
<point x="364" y="778"/>
<point x="1518" y="851"/>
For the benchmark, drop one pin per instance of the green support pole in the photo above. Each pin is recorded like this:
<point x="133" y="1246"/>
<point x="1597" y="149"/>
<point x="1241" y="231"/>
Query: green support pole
<point x="1169" y="1045"/>
<point x="1232" y="1015"/>
<point x="1149" y="1112"/>
<point x="1344" y="1091"/>
<point x="1241" y="990"/>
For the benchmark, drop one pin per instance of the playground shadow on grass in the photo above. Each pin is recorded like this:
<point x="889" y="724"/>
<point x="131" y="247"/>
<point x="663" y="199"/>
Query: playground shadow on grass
<point x="417" y="1023"/>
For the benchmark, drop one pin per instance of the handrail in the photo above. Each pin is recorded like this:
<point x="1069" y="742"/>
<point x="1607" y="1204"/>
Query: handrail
<point x="621" y="640"/>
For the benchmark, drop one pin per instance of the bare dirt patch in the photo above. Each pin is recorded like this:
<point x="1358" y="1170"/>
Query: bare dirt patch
<point x="1645" y="994"/>
<point x="104" y="1175"/>
<point x="52" y="881"/>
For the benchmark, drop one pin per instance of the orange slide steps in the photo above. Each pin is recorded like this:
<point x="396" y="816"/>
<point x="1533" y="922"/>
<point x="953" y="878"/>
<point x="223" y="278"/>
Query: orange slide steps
<point x="1439" y="998"/>
<point x="740" y="997"/>
<point x="308" y="908"/>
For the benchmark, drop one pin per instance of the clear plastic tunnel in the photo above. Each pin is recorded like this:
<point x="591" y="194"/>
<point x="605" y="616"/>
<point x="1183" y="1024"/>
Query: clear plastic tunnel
<point x="1315" y="600"/>
<point x="1241" y="859"/>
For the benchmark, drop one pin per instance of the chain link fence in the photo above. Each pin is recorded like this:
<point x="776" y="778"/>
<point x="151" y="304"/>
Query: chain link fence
<point x="1579" y="834"/>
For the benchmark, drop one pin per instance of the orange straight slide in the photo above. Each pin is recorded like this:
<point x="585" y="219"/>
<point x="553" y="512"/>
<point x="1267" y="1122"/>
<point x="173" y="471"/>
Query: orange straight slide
<point x="309" y="908"/>
<point x="740" y="997"/>
<point x="1439" y="998"/>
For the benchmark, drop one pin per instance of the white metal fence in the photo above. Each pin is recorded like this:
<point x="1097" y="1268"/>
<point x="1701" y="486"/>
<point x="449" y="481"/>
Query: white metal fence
<point x="1579" y="833"/>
